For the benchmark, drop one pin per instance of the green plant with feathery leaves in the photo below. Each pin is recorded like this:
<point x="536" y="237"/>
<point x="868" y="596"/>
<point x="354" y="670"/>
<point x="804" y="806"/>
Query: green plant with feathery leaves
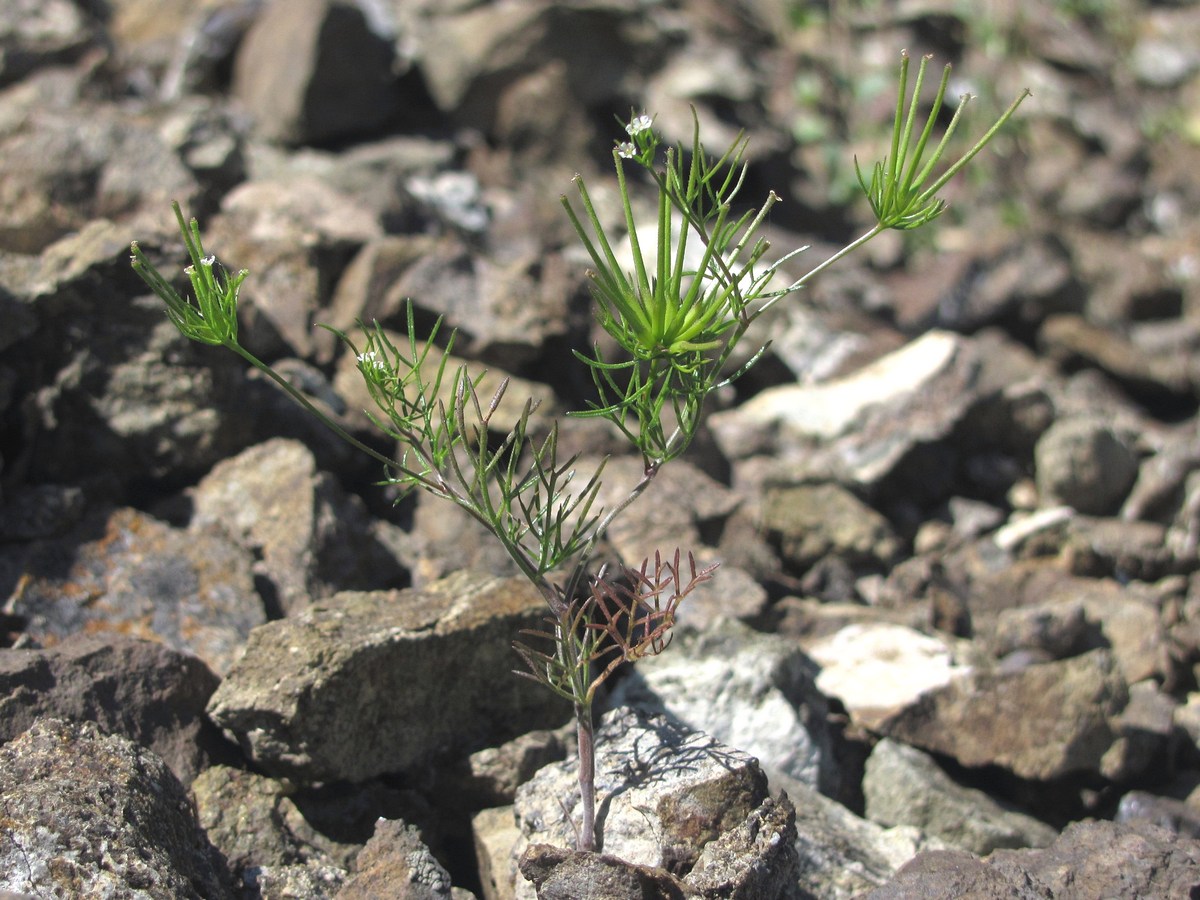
<point x="676" y="316"/>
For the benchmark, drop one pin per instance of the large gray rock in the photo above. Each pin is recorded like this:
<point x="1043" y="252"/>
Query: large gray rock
<point x="748" y="690"/>
<point x="93" y="815"/>
<point x="139" y="689"/>
<point x="1090" y="859"/>
<point x="843" y="856"/>
<point x="665" y="794"/>
<point x="132" y="574"/>
<point x="363" y="684"/>
<point x="903" y="786"/>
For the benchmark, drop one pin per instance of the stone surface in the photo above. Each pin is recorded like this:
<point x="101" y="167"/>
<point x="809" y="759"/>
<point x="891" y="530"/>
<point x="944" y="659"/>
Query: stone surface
<point x="750" y="691"/>
<point x="127" y="573"/>
<point x="664" y="792"/>
<point x="1042" y="722"/>
<point x="308" y="537"/>
<point x="395" y="863"/>
<point x="138" y="689"/>
<point x="254" y="822"/>
<point x="903" y="786"/>
<point x="369" y="683"/>
<point x="878" y="669"/>
<point x="89" y="814"/>
<point x="314" y="71"/>
<point x="1090" y="859"/>
<point x="1085" y="465"/>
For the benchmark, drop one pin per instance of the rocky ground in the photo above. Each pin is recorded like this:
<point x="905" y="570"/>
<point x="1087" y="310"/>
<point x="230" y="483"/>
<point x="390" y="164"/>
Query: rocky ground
<point x="953" y="647"/>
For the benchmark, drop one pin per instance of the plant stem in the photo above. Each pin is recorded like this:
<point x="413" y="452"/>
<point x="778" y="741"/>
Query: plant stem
<point x="586" y="738"/>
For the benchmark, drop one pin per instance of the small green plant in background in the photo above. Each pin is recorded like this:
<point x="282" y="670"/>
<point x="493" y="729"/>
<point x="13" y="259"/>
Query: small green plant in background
<point x="676" y="318"/>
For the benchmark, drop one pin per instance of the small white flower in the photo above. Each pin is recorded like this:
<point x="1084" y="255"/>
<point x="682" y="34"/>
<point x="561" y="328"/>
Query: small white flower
<point x="639" y="124"/>
<point x="626" y="150"/>
<point x="369" y="360"/>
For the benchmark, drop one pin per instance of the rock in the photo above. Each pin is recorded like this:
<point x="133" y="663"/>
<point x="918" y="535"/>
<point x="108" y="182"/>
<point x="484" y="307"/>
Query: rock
<point x="140" y="690"/>
<point x="842" y="856"/>
<point x="314" y="71"/>
<point x="1090" y="859"/>
<point x="662" y="816"/>
<point x="494" y="773"/>
<point x="312" y="881"/>
<point x="358" y="685"/>
<point x="1071" y="341"/>
<point x="69" y="164"/>
<point x="1165" y="812"/>
<point x="395" y="863"/>
<point x="1084" y="464"/>
<point x="118" y="378"/>
<point x="36" y="34"/>
<point x="256" y="824"/>
<point x="129" y="573"/>
<point x="41" y="511"/>
<point x="308" y="537"/>
<point x="678" y="507"/>
<point x="1042" y="722"/>
<point x="469" y="56"/>
<point x="856" y="430"/>
<point x="877" y="670"/>
<point x="291" y="232"/>
<point x="560" y="874"/>
<point x="748" y="690"/>
<point x="812" y="521"/>
<point x="903" y="786"/>
<point x="89" y="814"/>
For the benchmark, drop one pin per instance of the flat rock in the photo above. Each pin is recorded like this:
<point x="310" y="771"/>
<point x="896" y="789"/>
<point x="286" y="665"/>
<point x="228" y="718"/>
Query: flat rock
<point x="366" y="683"/>
<point x="877" y="669"/>
<point x="314" y="71"/>
<point x="856" y="429"/>
<point x="1089" y="859"/>
<point x="94" y="815"/>
<point x="1042" y="722"/>
<point x="903" y="786"/>
<point x="139" y="689"/>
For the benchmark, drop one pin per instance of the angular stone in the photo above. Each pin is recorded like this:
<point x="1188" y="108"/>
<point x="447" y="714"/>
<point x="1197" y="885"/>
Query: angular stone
<point x="254" y="822"/>
<point x="903" y="786"/>
<point x="878" y="669"/>
<point x="313" y="70"/>
<point x="1089" y="859"/>
<point x="812" y="521"/>
<point x="748" y="690"/>
<point x="1043" y="722"/>
<point x="90" y="815"/>
<point x="309" y="537"/>
<point x="857" y="429"/>
<point x="842" y="856"/>
<point x="395" y="863"/>
<point x="128" y="573"/>
<point x="141" y="690"/>
<point x="363" y="684"/>
<point x="663" y="793"/>
<point x="1086" y="465"/>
